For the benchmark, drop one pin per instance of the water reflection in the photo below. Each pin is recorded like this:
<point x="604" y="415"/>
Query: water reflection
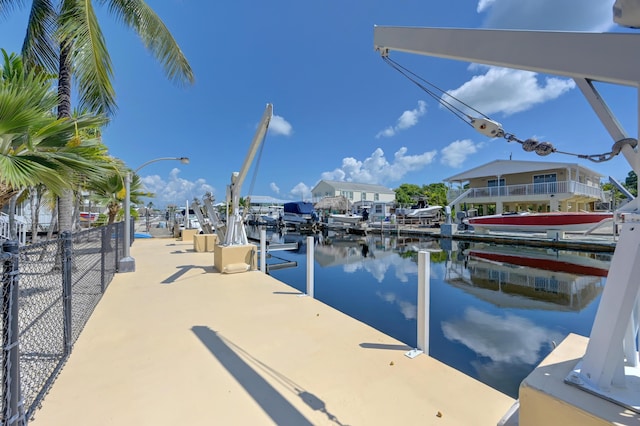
<point x="495" y="311"/>
<point x="527" y="277"/>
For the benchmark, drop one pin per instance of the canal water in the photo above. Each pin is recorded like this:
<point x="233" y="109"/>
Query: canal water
<point x="495" y="311"/>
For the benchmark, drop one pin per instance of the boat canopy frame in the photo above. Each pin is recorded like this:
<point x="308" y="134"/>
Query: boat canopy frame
<point x="611" y="360"/>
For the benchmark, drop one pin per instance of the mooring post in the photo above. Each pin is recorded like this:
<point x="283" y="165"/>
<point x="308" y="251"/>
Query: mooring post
<point x="424" y="270"/>
<point x="310" y="261"/>
<point x="263" y="251"/>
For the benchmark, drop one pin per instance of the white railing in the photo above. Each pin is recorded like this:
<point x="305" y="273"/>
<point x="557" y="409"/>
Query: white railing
<point x="547" y="188"/>
<point x="5" y="230"/>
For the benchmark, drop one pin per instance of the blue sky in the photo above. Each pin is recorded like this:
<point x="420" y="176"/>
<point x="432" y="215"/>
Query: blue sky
<point x="340" y="112"/>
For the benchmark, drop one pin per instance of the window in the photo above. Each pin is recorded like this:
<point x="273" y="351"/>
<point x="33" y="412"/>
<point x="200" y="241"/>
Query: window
<point x="347" y="194"/>
<point x="364" y="196"/>
<point x="545" y="184"/>
<point x="376" y="197"/>
<point x="496" y="187"/>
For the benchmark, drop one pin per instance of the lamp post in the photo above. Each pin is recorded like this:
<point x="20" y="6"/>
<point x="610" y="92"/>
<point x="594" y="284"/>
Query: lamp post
<point x="128" y="263"/>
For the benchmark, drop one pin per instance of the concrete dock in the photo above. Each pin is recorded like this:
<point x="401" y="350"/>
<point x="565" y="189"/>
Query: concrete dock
<point x="176" y="342"/>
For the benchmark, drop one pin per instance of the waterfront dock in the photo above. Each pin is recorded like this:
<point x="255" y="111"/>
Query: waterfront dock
<point x="176" y="342"/>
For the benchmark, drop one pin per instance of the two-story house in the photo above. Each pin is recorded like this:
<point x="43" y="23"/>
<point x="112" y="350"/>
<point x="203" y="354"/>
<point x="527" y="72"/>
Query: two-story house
<point x="377" y="198"/>
<point x="510" y="186"/>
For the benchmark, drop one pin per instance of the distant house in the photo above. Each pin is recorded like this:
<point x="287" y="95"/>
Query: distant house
<point x="510" y="186"/>
<point x="378" y="198"/>
<point x="353" y="192"/>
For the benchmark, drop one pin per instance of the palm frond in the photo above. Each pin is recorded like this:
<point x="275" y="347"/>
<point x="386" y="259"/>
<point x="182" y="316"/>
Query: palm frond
<point x="156" y="37"/>
<point x="8" y="6"/>
<point x="29" y="170"/>
<point x="39" y="48"/>
<point x="92" y="69"/>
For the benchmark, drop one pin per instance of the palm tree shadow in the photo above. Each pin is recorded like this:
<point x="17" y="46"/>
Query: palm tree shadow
<point x="232" y="357"/>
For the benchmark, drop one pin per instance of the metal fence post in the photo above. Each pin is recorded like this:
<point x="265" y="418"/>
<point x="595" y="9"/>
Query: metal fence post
<point x="12" y="404"/>
<point x="67" y="255"/>
<point x="103" y="258"/>
<point x="116" y="245"/>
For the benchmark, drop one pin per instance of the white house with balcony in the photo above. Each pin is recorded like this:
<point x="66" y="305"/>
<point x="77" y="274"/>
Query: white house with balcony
<point x="510" y="186"/>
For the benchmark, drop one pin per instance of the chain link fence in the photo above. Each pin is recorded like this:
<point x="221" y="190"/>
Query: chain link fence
<point x="52" y="288"/>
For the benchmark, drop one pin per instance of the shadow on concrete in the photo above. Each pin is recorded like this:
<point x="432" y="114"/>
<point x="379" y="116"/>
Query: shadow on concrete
<point x="183" y="251"/>
<point x="183" y="269"/>
<point x="385" y="346"/>
<point x="232" y="357"/>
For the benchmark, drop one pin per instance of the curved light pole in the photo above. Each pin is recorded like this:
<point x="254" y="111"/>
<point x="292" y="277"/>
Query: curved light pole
<point x="128" y="263"/>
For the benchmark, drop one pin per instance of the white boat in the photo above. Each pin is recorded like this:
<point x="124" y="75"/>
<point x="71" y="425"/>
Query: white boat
<point x="422" y="210"/>
<point x="299" y="212"/>
<point x="265" y="215"/>
<point x="539" y="222"/>
<point x="425" y="212"/>
<point x="351" y="219"/>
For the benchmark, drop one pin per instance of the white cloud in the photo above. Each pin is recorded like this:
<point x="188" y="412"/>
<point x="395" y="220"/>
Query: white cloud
<point x="279" y="126"/>
<point x="565" y="15"/>
<point x="408" y="309"/>
<point x="508" y="338"/>
<point x="455" y="154"/>
<point x="274" y="187"/>
<point x="484" y="4"/>
<point x="301" y="192"/>
<point x="407" y="119"/>
<point x="507" y="91"/>
<point x="376" y="169"/>
<point x="175" y="190"/>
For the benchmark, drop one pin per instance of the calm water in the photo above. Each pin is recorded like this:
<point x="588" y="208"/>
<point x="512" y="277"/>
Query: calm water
<point x="495" y="311"/>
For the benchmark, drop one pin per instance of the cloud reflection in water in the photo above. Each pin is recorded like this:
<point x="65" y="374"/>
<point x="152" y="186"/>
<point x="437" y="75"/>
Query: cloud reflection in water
<point x="509" y="338"/>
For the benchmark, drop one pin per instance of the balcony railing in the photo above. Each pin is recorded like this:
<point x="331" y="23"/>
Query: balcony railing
<point x="518" y="191"/>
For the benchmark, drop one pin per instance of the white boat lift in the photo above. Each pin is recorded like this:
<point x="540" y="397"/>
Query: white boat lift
<point x="610" y="367"/>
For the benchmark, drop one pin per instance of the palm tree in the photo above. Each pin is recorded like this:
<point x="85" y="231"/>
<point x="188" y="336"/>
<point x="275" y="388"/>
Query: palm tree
<point x="65" y="38"/>
<point x="35" y="146"/>
<point x="108" y="191"/>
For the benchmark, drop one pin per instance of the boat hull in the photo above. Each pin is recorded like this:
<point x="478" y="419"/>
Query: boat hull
<point x="539" y="222"/>
<point x="572" y="263"/>
<point x="421" y="213"/>
<point x="346" y="218"/>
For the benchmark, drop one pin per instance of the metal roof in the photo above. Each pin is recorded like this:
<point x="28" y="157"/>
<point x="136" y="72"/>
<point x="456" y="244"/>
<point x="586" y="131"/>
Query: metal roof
<point x="508" y="167"/>
<point x="352" y="186"/>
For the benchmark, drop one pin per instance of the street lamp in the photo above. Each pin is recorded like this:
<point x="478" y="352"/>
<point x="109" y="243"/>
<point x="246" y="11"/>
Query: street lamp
<point x="128" y="263"/>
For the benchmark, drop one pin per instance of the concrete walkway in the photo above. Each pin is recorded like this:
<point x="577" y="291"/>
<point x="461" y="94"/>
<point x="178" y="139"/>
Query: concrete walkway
<point x="177" y="343"/>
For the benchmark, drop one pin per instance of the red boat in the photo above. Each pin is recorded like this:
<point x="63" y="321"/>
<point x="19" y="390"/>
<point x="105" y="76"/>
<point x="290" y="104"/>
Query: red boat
<point x="548" y="260"/>
<point x="539" y="222"/>
<point x="86" y="216"/>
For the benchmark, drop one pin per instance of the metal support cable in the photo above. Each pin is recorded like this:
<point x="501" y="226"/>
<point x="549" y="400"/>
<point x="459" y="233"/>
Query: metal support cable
<point x="529" y="145"/>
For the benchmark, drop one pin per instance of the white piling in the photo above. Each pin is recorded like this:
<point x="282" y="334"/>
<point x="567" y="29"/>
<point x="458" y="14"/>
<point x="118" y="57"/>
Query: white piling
<point x="424" y="270"/>
<point x="263" y="251"/>
<point x="310" y="249"/>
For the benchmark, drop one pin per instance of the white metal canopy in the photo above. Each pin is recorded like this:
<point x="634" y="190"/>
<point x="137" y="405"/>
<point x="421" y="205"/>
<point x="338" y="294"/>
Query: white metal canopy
<point x="610" y="367"/>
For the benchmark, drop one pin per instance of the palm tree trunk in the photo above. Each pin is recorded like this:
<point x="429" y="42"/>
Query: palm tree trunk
<point x="65" y="201"/>
<point x="54" y="221"/>
<point x="13" y="231"/>
<point x="34" y="214"/>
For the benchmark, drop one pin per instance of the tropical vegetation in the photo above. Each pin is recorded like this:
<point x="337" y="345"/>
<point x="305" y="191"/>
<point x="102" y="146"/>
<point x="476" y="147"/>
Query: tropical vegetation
<point x="109" y="191"/>
<point x="434" y="194"/>
<point x="36" y="148"/>
<point x="65" y="39"/>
